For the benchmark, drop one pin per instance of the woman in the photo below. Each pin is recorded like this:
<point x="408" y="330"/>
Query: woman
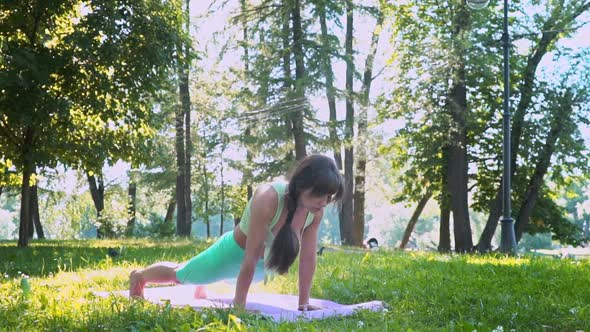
<point x="279" y="222"/>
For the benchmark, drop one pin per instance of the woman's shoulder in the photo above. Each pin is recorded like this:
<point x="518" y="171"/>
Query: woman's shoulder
<point x="265" y="200"/>
<point x="266" y="192"/>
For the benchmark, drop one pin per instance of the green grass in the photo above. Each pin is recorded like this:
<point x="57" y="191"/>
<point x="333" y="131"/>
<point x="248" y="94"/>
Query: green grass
<point x="423" y="291"/>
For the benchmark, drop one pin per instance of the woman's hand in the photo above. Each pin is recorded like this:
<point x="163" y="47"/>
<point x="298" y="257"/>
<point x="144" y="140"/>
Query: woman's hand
<point x="308" y="307"/>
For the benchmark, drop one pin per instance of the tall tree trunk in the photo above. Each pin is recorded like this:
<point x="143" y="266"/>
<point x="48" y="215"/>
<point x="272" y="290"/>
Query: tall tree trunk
<point x="247" y="179"/>
<point x="97" y="192"/>
<point x="207" y="222"/>
<point x="184" y="218"/>
<point x="31" y="227"/>
<point x="131" y="210"/>
<point x="298" y="130"/>
<point x="25" y="211"/>
<point x="414" y="219"/>
<point x="457" y="169"/>
<point x="170" y="210"/>
<point x="35" y="218"/>
<point x="287" y="77"/>
<point x="549" y="36"/>
<point x="532" y="193"/>
<point x="346" y="213"/>
<point x="444" y="241"/>
<point x="358" y="224"/>
<point x="180" y="176"/>
<point x="222" y="197"/>
<point x="25" y="208"/>
<point x="330" y="90"/>
<point x="485" y="240"/>
<point x="206" y="198"/>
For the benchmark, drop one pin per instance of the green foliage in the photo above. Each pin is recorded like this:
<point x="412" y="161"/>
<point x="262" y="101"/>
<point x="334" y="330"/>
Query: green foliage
<point x="422" y="291"/>
<point x="548" y="216"/>
<point x="79" y="78"/>
<point x="423" y="41"/>
<point x="156" y="228"/>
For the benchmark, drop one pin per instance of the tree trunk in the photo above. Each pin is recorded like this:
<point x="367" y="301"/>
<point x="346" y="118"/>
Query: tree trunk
<point x="298" y="130"/>
<point x="207" y="215"/>
<point x="180" y="177"/>
<point x="206" y="212"/>
<point x="25" y="208"/>
<point x="247" y="179"/>
<point x="444" y="241"/>
<point x="170" y="211"/>
<point x="31" y="227"/>
<point x="346" y="213"/>
<point x="25" y="211"/>
<point x="414" y="219"/>
<point x="287" y="79"/>
<point x="330" y="90"/>
<point x="222" y="200"/>
<point x="183" y="139"/>
<point x="35" y="212"/>
<point x="485" y="240"/>
<point x="131" y="210"/>
<point x="551" y="27"/>
<point x="361" y="158"/>
<point x="457" y="169"/>
<point x="532" y="193"/>
<point x="97" y="192"/>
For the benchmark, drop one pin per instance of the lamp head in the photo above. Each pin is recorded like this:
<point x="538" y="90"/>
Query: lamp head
<point x="477" y="4"/>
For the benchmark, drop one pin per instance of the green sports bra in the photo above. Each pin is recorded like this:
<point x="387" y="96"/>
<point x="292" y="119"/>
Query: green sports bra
<point x="280" y="188"/>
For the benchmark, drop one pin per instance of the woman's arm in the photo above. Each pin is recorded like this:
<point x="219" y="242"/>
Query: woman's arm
<point x="262" y="210"/>
<point x="307" y="260"/>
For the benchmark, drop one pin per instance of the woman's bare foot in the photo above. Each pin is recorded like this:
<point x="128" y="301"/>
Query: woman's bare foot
<point x="200" y="292"/>
<point x="136" y="284"/>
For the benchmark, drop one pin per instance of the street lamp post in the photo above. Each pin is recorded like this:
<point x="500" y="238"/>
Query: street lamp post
<point x="508" y="238"/>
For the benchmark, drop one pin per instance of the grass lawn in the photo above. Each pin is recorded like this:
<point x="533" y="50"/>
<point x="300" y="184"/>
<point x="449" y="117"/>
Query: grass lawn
<point x="423" y="291"/>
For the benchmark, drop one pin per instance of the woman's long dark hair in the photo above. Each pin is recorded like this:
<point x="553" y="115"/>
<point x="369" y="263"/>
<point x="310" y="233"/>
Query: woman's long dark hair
<point x="318" y="173"/>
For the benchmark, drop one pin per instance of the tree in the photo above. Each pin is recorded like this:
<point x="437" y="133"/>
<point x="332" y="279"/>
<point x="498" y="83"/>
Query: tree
<point x="560" y="16"/>
<point x="346" y="214"/>
<point x="330" y="43"/>
<point x="362" y="135"/>
<point x="183" y="135"/>
<point x="429" y="95"/>
<point x="458" y="144"/>
<point x="413" y="220"/>
<point x="70" y="74"/>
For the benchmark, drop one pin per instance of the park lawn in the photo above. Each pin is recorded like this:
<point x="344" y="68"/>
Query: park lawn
<point x="423" y="291"/>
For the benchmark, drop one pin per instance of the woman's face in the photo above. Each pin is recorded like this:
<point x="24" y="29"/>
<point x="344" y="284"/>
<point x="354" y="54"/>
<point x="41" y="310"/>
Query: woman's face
<point x="312" y="202"/>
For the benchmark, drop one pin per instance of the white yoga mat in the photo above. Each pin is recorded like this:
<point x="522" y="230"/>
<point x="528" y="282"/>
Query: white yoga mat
<point x="278" y="307"/>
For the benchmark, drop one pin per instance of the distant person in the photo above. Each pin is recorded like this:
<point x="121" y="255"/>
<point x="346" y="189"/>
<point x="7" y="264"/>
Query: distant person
<point x="372" y="244"/>
<point x="280" y="221"/>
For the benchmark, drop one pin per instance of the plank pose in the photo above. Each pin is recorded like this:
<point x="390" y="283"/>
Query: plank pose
<point x="280" y="221"/>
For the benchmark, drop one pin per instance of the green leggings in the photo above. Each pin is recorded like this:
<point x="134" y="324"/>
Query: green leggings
<point x="221" y="261"/>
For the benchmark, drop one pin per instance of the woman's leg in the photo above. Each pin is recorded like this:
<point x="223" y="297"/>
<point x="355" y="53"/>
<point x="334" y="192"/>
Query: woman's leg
<point x="219" y="262"/>
<point x="162" y="272"/>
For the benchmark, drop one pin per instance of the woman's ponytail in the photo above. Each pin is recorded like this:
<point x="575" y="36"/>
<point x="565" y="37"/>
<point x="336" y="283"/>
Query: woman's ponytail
<point x="285" y="247"/>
